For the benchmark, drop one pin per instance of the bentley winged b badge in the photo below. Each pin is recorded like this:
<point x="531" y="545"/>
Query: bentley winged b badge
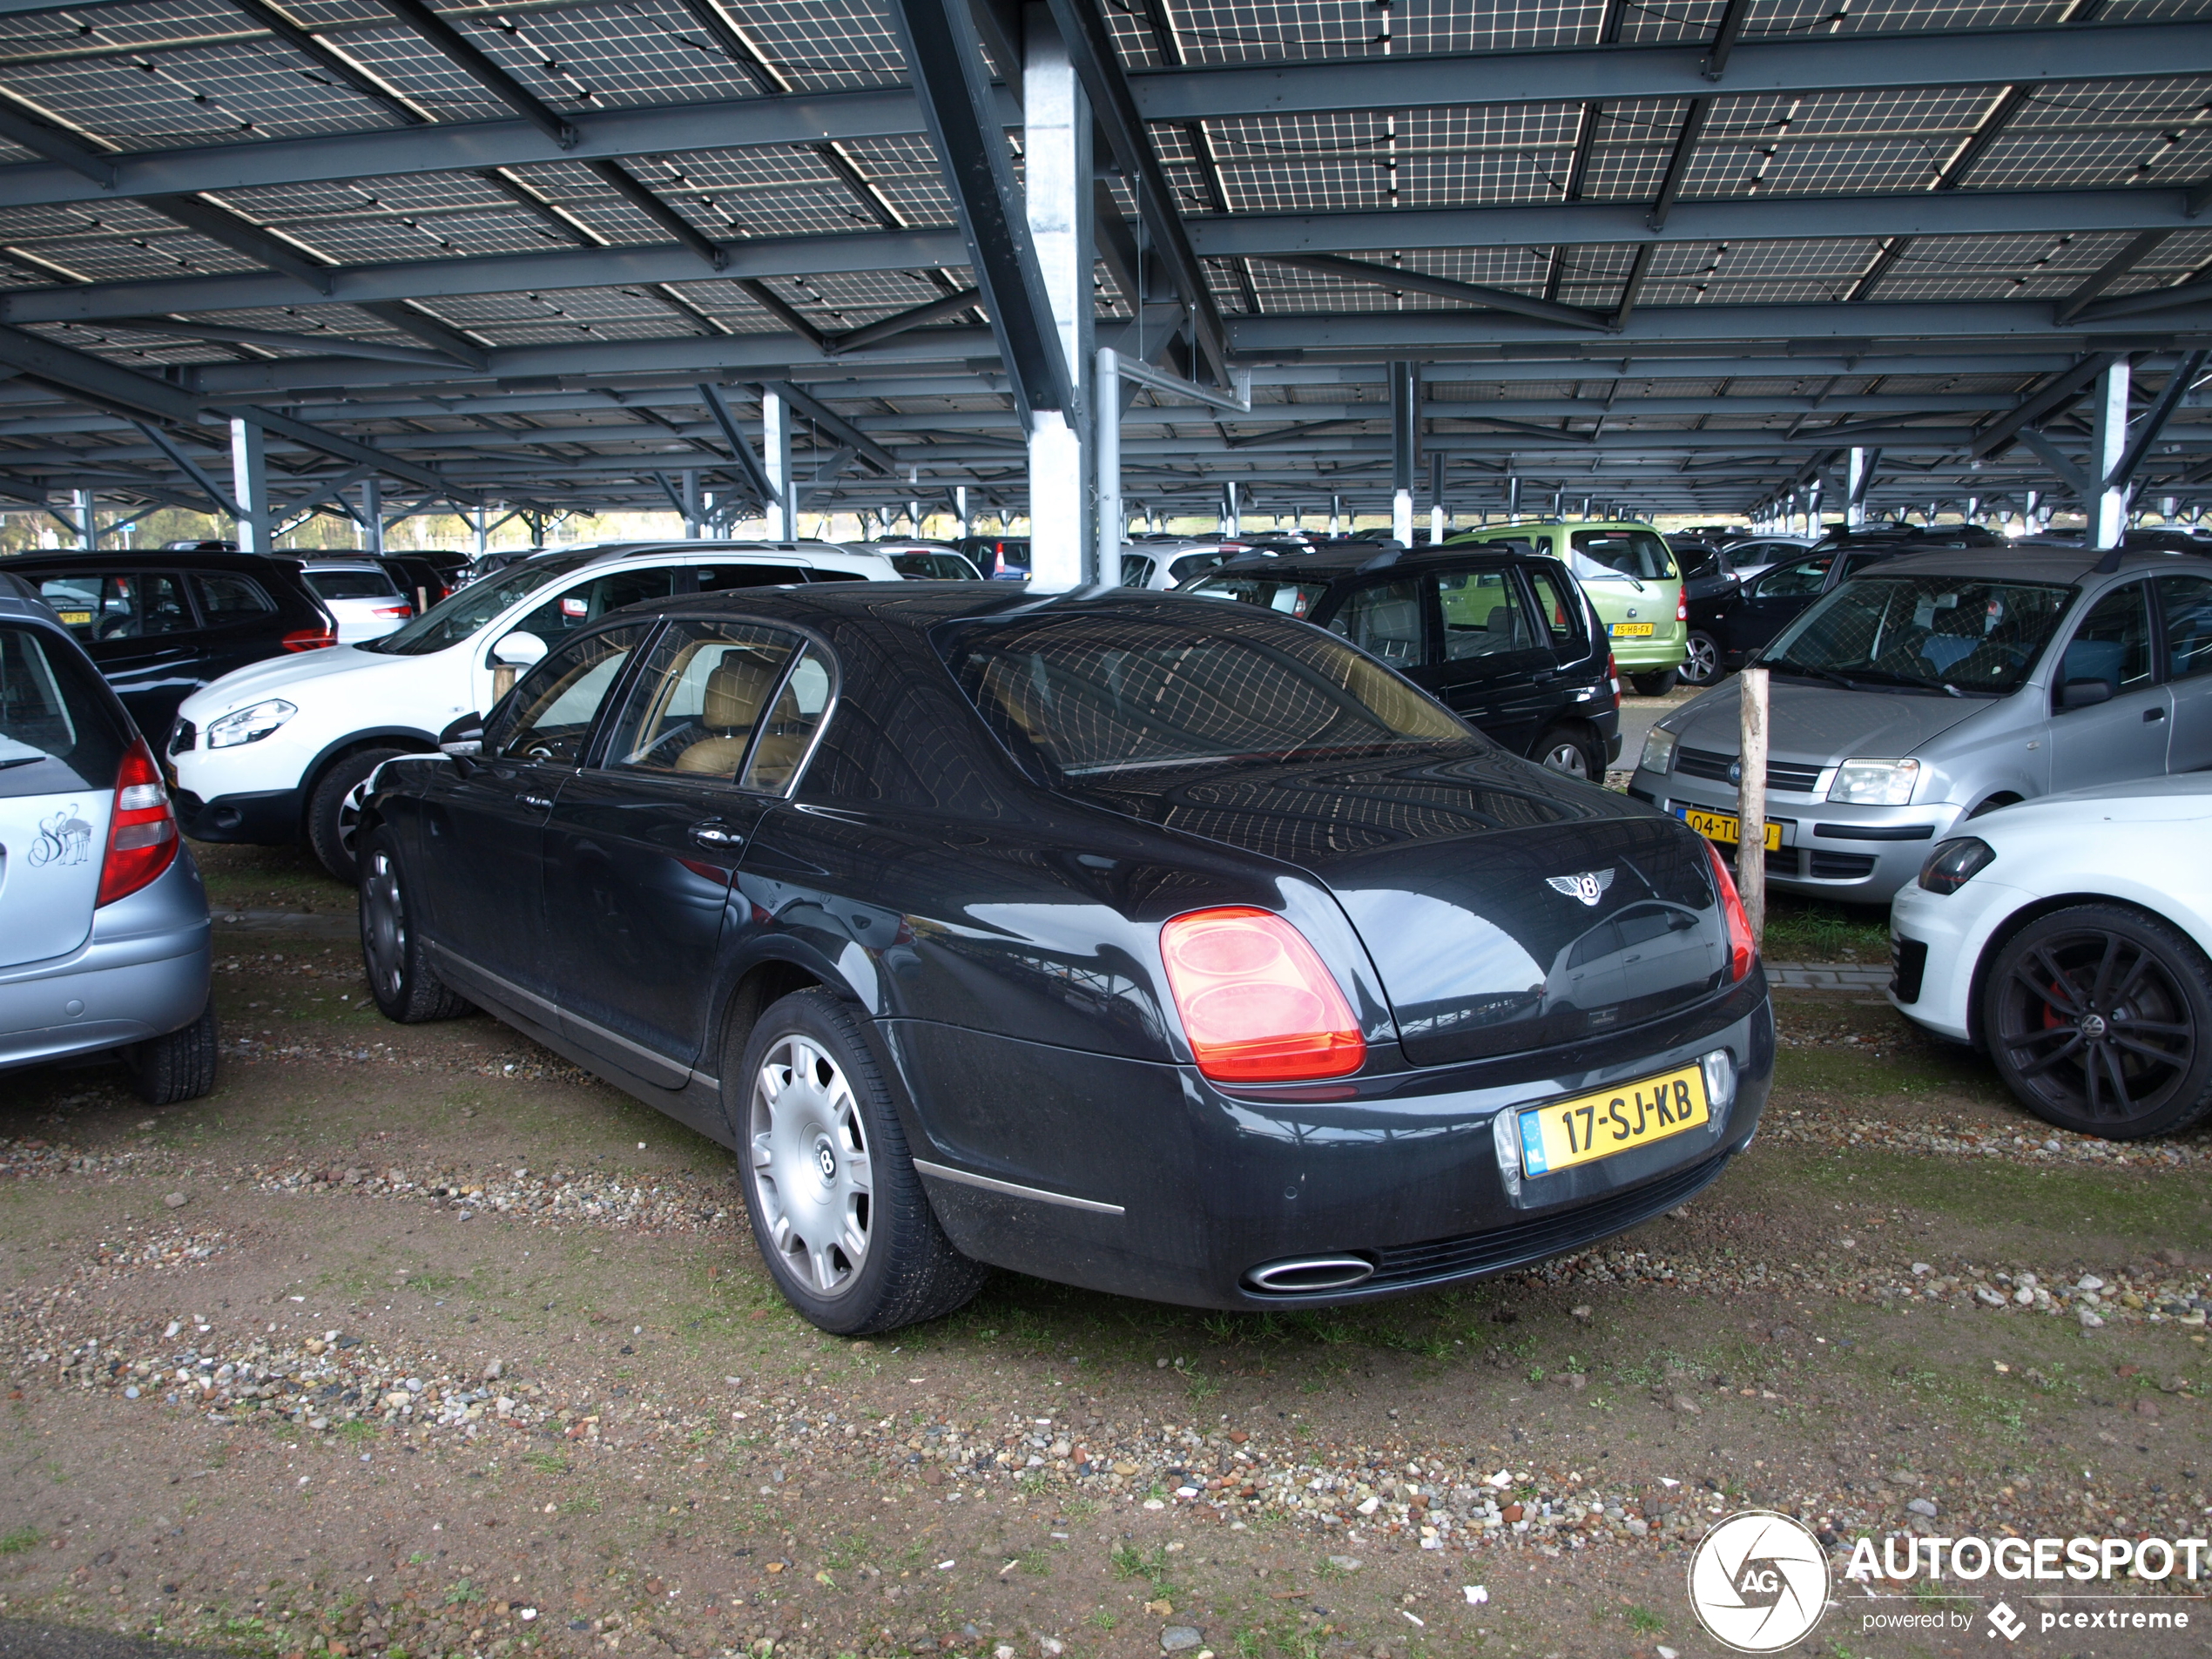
<point x="1590" y="886"/>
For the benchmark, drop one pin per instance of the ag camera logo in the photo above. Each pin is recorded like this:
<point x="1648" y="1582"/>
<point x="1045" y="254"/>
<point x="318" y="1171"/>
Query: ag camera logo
<point x="1758" y="1581"/>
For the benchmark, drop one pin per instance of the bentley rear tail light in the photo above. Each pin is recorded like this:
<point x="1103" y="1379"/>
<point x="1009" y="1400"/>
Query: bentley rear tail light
<point x="142" y="835"/>
<point x="310" y="639"/>
<point x="1741" y="950"/>
<point x="1256" y="1003"/>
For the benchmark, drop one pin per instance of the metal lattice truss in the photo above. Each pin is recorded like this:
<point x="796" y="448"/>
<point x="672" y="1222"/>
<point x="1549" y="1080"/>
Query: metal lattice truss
<point x="550" y="252"/>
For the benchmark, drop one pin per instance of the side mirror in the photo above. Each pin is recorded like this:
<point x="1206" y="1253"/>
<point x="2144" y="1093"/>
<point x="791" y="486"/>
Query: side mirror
<point x="2081" y="694"/>
<point x="465" y="736"/>
<point x="519" y="649"/>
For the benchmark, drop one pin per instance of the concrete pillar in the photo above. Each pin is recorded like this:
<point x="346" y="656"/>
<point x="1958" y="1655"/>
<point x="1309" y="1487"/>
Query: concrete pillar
<point x="775" y="444"/>
<point x="1405" y="440"/>
<point x="250" y="487"/>
<point x="2107" y="510"/>
<point x="372" y="516"/>
<point x="1058" y="188"/>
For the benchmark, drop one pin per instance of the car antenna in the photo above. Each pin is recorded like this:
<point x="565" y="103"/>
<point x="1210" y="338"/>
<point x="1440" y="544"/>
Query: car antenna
<point x="2109" y="564"/>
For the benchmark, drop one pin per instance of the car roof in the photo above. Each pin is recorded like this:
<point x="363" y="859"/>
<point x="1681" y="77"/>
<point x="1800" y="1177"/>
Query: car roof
<point x="150" y="558"/>
<point x="1328" y="562"/>
<point x="2027" y="560"/>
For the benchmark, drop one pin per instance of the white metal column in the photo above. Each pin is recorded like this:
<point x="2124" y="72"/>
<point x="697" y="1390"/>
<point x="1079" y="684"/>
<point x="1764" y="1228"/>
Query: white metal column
<point x="2108" y="510"/>
<point x="1405" y="431"/>
<point x="775" y="458"/>
<point x="88" y="535"/>
<point x="1057" y="190"/>
<point x="1112" y="520"/>
<point x="1855" y="495"/>
<point x="1232" y="514"/>
<point x="960" y="507"/>
<point x="691" y="504"/>
<point x="372" y="516"/>
<point x="250" y="487"/>
<point x="1436" y="496"/>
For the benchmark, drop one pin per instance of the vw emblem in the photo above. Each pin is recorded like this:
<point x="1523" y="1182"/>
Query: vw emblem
<point x="1588" y="886"/>
<point x="826" y="1155"/>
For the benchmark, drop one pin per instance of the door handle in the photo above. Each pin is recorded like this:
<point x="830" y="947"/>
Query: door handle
<point x="715" y="832"/>
<point x="2153" y="714"/>
<point x="536" y="800"/>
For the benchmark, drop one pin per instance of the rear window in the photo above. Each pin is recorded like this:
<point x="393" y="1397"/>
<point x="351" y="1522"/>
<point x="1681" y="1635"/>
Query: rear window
<point x="936" y="567"/>
<point x="56" y="731"/>
<point x="1093" y="695"/>
<point x="352" y="585"/>
<point x="1298" y="599"/>
<point x="1641" y="554"/>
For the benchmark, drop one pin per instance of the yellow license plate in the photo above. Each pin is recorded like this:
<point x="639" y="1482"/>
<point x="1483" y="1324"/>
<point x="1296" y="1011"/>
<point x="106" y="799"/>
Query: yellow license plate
<point x="1725" y="826"/>
<point x="75" y="618"/>
<point x="1623" y="630"/>
<point x="1568" y="1132"/>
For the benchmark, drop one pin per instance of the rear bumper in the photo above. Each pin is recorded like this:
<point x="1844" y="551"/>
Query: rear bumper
<point x="1143" y="1179"/>
<point x="143" y="972"/>
<point x="264" y="817"/>
<point x="1663" y="650"/>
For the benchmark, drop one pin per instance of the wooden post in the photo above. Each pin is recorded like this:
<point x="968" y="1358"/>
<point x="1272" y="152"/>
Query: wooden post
<point x="1750" y="850"/>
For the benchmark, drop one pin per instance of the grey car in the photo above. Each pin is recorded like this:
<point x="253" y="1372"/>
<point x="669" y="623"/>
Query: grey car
<point x="104" y="927"/>
<point x="1938" y="686"/>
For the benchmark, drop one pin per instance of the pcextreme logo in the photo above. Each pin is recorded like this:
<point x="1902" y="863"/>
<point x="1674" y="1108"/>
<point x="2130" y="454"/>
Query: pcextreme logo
<point x="1758" y="1581"/>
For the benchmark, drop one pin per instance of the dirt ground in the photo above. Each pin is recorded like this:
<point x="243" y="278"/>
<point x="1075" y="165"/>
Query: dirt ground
<point x="418" y="1342"/>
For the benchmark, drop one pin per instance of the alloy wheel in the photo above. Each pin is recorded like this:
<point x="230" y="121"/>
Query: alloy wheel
<point x="1701" y="661"/>
<point x="2093" y="1024"/>
<point x="349" y="816"/>
<point x="811" y="1171"/>
<point x="384" y="925"/>
<point x="1569" y="757"/>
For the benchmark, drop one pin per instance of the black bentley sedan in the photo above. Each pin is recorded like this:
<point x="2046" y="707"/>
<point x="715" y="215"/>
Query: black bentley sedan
<point x="1142" y="942"/>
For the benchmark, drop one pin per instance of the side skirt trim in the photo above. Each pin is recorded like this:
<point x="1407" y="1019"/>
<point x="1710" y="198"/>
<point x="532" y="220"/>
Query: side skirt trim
<point x="946" y="1172"/>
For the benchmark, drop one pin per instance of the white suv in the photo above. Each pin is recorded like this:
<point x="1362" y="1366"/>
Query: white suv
<point x="275" y="754"/>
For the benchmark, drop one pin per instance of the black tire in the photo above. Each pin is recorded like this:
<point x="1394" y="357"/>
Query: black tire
<point x="853" y="1261"/>
<point x="1570" y="750"/>
<point x="2100" y="1018"/>
<point x="331" y="811"/>
<point x="401" y="978"/>
<point x="181" y="1065"/>
<point x="1701" y="663"/>
<point x="1657" y="684"/>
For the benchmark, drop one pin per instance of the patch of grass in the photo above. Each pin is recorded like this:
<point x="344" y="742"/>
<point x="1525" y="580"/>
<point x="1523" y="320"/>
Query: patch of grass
<point x="1644" y="1621"/>
<point x="1151" y="1564"/>
<point x="462" y="1594"/>
<point x="355" y="1432"/>
<point x="1814" y="930"/>
<point x="1102" y="1619"/>
<point x="14" y="1542"/>
<point x="547" y="1462"/>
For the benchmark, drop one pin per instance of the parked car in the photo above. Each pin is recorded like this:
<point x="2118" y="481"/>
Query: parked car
<point x="161" y="624"/>
<point x="1500" y="635"/>
<point x="274" y="755"/>
<point x="1939" y="686"/>
<point x="924" y="561"/>
<point x="2068" y="937"/>
<point x="1630" y="576"/>
<point x="360" y="596"/>
<point x="103" y="930"/>
<point x="426" y="577"/>
<point x="1162" y="568"/>
<point x="1000" y="558"/>
<point x="1146" y="943"/>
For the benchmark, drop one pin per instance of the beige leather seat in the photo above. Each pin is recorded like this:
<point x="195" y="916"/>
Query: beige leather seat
<point x="728" y="709"/>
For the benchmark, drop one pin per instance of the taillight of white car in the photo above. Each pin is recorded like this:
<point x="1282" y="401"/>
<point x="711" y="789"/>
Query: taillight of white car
<point x="142" y="834"/>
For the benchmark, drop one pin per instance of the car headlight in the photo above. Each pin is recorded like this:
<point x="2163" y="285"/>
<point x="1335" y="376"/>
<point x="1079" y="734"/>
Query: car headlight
<point x="1875" y="783"/>
<point x="1952" y="863"/>
<point x="1658" y="751"/>
<point x="249" y="725"/>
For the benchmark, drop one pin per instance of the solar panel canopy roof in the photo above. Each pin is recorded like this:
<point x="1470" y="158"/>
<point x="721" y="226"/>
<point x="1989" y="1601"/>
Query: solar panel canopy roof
<point x="1671" y="258"/>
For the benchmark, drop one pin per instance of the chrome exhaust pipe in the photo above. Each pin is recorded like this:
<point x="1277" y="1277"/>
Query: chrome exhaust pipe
<point x="1306" y="1275"/>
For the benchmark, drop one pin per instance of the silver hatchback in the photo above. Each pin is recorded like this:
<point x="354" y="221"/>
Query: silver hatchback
<point x="1943" y="685"/>
<point x="104" y="927"/>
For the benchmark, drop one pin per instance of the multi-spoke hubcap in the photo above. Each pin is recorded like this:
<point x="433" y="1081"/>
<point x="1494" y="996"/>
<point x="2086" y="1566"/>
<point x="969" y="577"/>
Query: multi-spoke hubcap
<point x="2095" y="1024"/>
<point x="384" y="925"/>
<point x="1567" y="758"/>
<point x="349" y="814"/>
<point x="1698" y="666"/>
<point x="811" y="1173"/>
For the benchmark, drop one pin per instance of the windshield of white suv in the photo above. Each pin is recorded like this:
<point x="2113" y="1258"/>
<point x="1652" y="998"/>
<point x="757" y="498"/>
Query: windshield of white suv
<point x="1950" y="635"/>
<point x="457" y="618"/>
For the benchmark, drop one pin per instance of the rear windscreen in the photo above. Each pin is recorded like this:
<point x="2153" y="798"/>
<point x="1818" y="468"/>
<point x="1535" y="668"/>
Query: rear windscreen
<point x="352" y="585"/>
<point x="56" y="731"/>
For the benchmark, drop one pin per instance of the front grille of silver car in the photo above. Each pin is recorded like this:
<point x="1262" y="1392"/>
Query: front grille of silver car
<point x="1780" y="774"/>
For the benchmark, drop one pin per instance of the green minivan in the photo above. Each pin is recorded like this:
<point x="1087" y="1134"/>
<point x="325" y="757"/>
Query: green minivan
<point x="1632" y="579"/>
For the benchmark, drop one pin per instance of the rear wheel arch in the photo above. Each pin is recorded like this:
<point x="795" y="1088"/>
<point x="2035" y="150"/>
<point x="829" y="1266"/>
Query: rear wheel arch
<point x="763" y="983"/>
<point x="2002" y="798"/>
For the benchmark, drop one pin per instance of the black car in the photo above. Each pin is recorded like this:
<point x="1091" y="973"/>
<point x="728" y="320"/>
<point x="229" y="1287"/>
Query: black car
<point x="1501" y="634"/>
<point x="162" y="623"/>
<point x="1141" y="943"/>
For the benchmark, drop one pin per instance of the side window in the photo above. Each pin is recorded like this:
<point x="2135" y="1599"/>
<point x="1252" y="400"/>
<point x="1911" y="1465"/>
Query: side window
<point x="2187" y="601"/>
<point x="1798" y="581"/>
<point x="721" y="578"/>
<point x="1483" y="615"/>
<point x="549" y="714"/>
<point x="695" y="704"/>
<point x="225" y="598"/>
<point x="587" y="602"/>
<point x="1136" y="569"/>
<point x="135" y="606"/>
<point x="1559" y="605"/>
<point x="1384" y="620"/>
<point x="791" y="726"/>
<point x="2113" y="643"/>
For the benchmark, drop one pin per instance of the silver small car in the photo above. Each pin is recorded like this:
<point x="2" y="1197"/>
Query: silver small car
<point x="104" y="926"/>
<point x="1942" y="685"/>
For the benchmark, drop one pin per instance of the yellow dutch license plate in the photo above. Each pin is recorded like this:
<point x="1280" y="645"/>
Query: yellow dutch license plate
<point x="74" y="618"/>
<point x="1568" y="1132"/>
<point x="1625" y="630"/>
<point x="1725" y="826"/>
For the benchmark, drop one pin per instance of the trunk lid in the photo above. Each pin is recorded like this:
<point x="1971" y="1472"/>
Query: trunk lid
<point x="1505" y="908"/>
<point x="50" y="849"/>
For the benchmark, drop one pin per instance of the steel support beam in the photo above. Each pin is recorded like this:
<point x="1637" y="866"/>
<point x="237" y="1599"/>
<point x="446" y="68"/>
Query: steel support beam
<point x="224" y="501"/>
<point x="250" y="487"/>
<point x="372" y="517"/>
<point x="1405" y="446"/>
<point x="717" y="407"/>
<point x="1056" y="147"/>
<point x="1474" y="293"/>
<point x="2107" y="502"/>
<point x="836" y="425"/>
<point x="781" y="508"/>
